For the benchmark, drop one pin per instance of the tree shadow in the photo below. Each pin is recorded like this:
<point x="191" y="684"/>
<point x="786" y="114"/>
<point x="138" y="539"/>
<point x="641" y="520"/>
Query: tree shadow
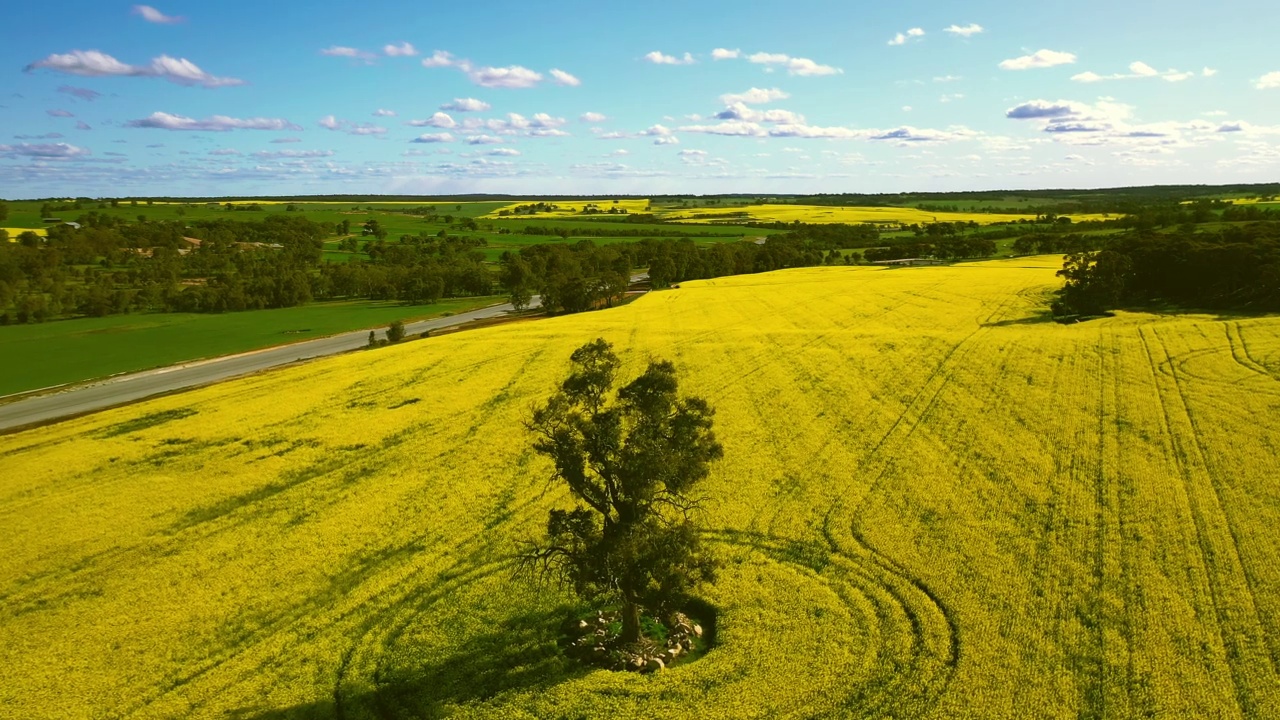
<point x="1039" y="318"/>
<point x="522" y="654"/>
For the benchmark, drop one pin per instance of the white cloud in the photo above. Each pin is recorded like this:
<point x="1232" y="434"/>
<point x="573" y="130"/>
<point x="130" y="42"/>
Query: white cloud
<point x="813" y="132"/>
<point x="694" y="157"/>
<point x="404" y="49"/>
<point x="348" y="52"/>
<point x="564" y="79"/>
<point x="434" y="138"/>
<point x="667" y="140"/>
<point x="951" y="97"/>
<point x="505" y="152"/>
<point x="740" y="111"/>
<point x="467" y="105"/>
<point x="1270" y="81"/>
<point x="658" y="58"/>
<point x="724" y="54"/>
<point x="965" y="31"/>
<point x="60" y="151"/>
<point x="794" y="65"/>
<point x="225" y="152"/>
<point x="153" y="15"/>
<point x="484" y="140"/>
<point x="907" y="134"/>
<point x="901" y="38"/>
<point x="593" y="117"/>
<point x="754" y="96"/>
<point x="329" y="122"/>
<point x="512" y="77"/>
<point x="1045" y="110"/>
<point x="380" y="112"/>
<point x="439" y="58"/>
<point x="297" y="154"/>
<point x="92" y="63"/>
<point x="732" y="128"/>
<point x="947" y="78"/>
<point x="1039" y="59"/>
<point x="286" y="140"/>
<point x="1208" y="72"/>
<point x="438" y="120"/>
<point x="216" y="123"/>
<point x="1137" y="71"/>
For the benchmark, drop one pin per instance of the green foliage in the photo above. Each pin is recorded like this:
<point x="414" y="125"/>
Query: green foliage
<point x="395" y="332"/>
<point x="630" y="466"/>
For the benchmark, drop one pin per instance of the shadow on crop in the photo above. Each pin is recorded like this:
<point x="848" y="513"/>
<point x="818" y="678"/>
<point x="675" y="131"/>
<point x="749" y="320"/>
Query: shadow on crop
<point x="520" y="655"/>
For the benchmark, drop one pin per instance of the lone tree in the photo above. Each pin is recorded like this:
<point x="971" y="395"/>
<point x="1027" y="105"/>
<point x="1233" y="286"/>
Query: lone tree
<point x="630" y="465"/>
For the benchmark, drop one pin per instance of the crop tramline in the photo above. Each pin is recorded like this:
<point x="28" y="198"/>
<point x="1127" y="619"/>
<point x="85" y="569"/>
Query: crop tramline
<point x="933" y="503"/>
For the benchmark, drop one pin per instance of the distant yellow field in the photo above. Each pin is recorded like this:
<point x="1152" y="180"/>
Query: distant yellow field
<point x="574" y="208"/>
<point x="15" y="232"/>
<point x="852" y="215"/>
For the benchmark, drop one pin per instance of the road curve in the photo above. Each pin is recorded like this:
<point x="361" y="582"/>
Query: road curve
<point x="102" y="394"/>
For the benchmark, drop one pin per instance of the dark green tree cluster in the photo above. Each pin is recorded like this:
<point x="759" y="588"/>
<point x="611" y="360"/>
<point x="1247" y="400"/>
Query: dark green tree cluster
<point x="630" y="464"/>
<point x="1236" y="268"/>
<point x="416" y="270"/>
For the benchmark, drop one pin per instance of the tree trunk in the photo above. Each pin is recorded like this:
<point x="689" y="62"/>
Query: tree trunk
<point x="630" y="622"/>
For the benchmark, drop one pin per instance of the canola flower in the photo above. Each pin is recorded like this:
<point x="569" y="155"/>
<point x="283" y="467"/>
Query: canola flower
<point x="933" y="503"/>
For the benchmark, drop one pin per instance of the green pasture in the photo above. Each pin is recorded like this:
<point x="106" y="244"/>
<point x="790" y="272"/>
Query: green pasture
<point x="66" y="351"/>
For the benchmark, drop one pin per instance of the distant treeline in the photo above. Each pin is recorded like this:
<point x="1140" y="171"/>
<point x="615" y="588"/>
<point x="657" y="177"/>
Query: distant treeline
<point x="1237" y="268"/>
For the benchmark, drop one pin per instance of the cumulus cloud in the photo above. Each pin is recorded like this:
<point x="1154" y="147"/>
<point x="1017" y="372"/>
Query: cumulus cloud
<point x="225" y="151"/>
<point x="593" y="117"/>
<point x="466" y="105"/>
<point x="348" y="52"/>
<point x="901" y="38"/>
<point x="484" y="140"/>
<point x="908" y="134"/>
<point x="966" y="30"/>
<point x="438" y="120"/>
<point x="694" y="157"/>
<point x="1039" y="59"/>
<point x="329" y="122"/>
<point x="216" y="123"/>
<point x="49" y="151"/>
<point x="658" y="58"/>
<point x="725" y="54"/>
<point x="83" y="93"/>
<point x="153" y="15"/>
<point x="1270" y="81"/>
<point x="510" y="77"/>
<point x="505" y="152"/>
<point x="740" y="111"/>
<point x="434" y="138"/>
<point x="794" y="65"/>
<point x="1139" y="70"/>
<point x="1044" y="110"/>
<point x="564" y="79"/>
<point x="93" y="63"/>
<point x="404" y="49"/>
<point x="272" y="154"/>
<point x="754" y="96"/>
<point x="380" y="112"/>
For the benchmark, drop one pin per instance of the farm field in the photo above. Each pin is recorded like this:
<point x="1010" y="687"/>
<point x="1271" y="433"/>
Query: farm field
<point x="933" y="504"/>
<point x="852" y="215"/>
<point x="46" y="354"/>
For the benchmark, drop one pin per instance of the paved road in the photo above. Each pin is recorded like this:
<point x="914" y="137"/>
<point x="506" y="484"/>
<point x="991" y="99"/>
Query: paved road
<point x="99" y="395"/>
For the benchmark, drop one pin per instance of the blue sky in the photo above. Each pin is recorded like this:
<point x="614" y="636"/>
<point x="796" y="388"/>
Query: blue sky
<point x="387" y="96"/>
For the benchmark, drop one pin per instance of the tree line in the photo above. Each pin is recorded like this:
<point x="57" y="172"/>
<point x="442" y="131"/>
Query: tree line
<point x="1235" y="268"/>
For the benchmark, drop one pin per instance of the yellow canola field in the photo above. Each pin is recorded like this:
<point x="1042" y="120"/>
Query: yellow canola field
<point x="818" y="214"/>
<point x="933" y="504"/>
<point x="573" y="208"/>
<point x="15" y="232"/>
